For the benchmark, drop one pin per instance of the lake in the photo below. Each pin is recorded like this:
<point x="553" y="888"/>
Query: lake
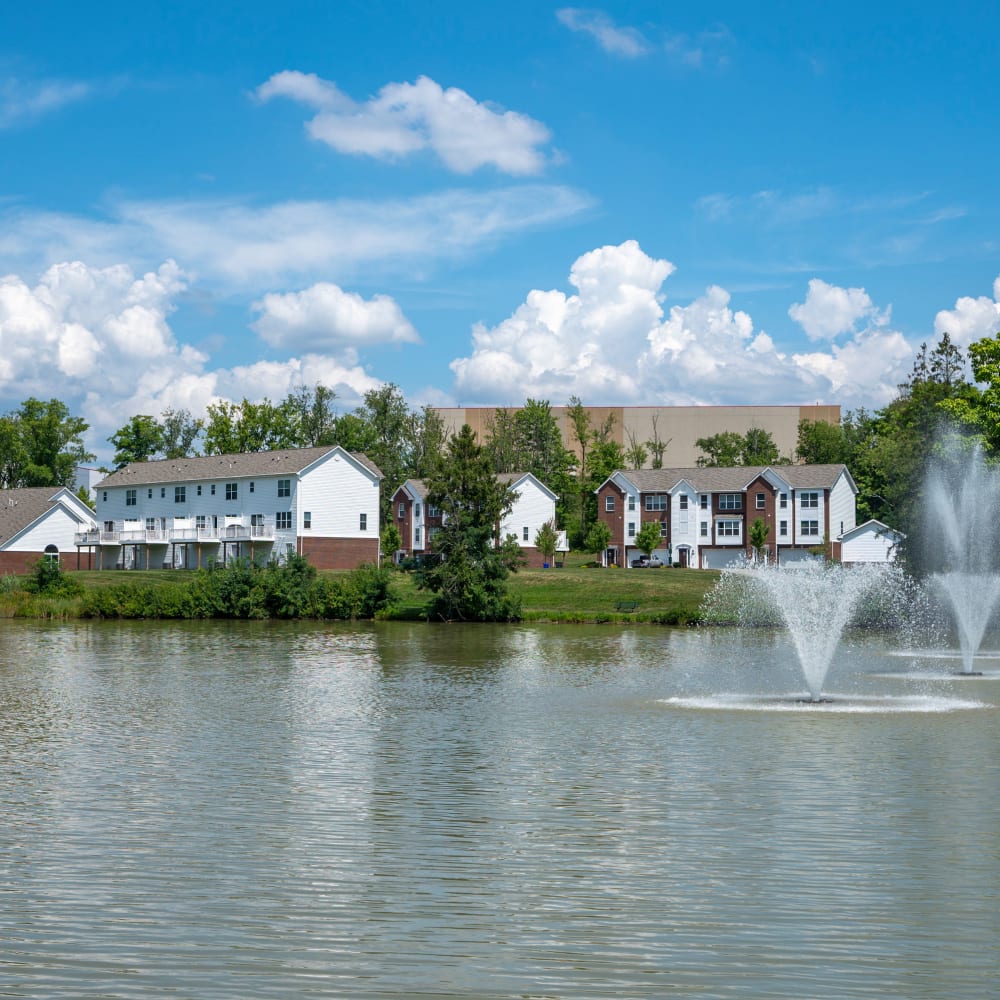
<point x="234" y="810"/>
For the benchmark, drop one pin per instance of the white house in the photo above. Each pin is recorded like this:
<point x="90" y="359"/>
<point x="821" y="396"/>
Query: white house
<point x="705" y="514"/>
<point x="871" y="542"/>
<point x="534" y="505"/>
<point x="40" y="521"/>
<point x="322" y="503"/>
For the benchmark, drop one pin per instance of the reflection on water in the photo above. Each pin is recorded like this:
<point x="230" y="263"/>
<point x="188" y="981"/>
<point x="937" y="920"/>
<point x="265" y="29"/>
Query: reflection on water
<point x="263" y="810"/>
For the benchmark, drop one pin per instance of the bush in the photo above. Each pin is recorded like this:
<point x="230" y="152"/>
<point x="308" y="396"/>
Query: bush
<point x="48" y="579"/>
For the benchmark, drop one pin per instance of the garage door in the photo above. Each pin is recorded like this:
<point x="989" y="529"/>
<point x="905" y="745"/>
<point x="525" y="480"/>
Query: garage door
<point x="797" y="557"/>
<point x="721" y="558"/>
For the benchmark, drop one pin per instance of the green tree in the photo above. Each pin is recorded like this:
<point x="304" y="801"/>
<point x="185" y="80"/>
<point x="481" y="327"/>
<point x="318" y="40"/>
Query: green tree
<point x="758" y="537"/>
<point x="41" y="444"/>
<point x="657" y="446"/>
<point x="820" y="443"/>
<point x="311" y="415"/>
<point x="470" y="580"/>
<point x="648" y="538"/>
<point x="718" y="450"/>
<point x="179" y="430"/>
<point x="391" y="539"/>
<point x="759" y="448"/>
<point x="598" y="538"/>
<point x="247" y="427"/>
<point x="546" y="540"/>
<point x="138" y="441"/>
<point x="978" y="412"/>
<point x="636" y="454"/>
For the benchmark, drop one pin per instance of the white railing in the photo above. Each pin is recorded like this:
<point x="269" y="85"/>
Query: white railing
<point x="119" y="535"/>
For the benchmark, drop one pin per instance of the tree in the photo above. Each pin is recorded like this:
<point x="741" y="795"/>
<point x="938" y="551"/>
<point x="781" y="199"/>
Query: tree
<point x="311" y="415"/>
<point x="820" y="443"/>
<point x="41" y="444"/>
<point x="246" y="427"/>
<point x="598" y="538"/>
<point x="758" y="537"/>
<point x="546" y="540"/>
<point x="648" y="538"/>
<point x="657" y="446"/>
<point x="636" y="453"/>
<point x="470" y="580"/>
<point x="138" y="441"/>
<point x="723" y="449"/>
<point x="179" y="432"/>
<point x="979" y="411"/>
<point x="759" y="448"/>
<point x="428" y="437"/>
<point x="579" y="422"/>
<point x="391" y="539"/>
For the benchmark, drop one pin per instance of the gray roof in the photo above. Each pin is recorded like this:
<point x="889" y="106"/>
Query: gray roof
<point x="734" y="479"/>
<point x="260" y="463"/>
<point x="19" y="508"/>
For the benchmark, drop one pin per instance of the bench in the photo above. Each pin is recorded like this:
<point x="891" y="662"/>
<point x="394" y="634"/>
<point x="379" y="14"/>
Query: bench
<point x="627" y="607"/>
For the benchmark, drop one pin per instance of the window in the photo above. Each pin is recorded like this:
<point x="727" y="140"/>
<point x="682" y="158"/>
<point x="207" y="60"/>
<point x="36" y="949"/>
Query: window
<point x="663" y="529"/>
<point x="363" y="523"/>
<point x="808" y="527"/>
<point x="783" y="528"/>
<point x="213" y="489"/>
<point x="783" y="501"/>
<point x="524" y="533"/>
<point x="105" y="496"/>
<point x="656" y="501"/>
<point x="416" y="534"/>
<point x="683" y="501"/>
<point x="200" y="522"/>
<point x="416" y="509"/>
<point x="163" y="492"/>
<point x="730" y="501"/>
<point x="130" y="498"/>
<point x="631" y="502"/>
<point x="180" y="494"/>
<point x="631" y="529"/>
<point x="51" y="554"/>
<point x="609" y="503"/>
<point x="401" y="511"/>
<point x="727" y="529"/>
<point x="704" y="529"/>
<point x="283" y="520"/>
<point x="251" y="486"/>
<point x="149" y="494"/>
<point x="151" y="524"/>
<point x="433" y="511"/>
<point x="109" y="525"/>
<point x="307" y="519"/>
<point x="285" y="489"/>
<point x="232" y="491"/>
<point x="704" y="501"/>
<point x="760" y="501"/>
<point x="199" y="489"/>
<point x="809" y="500"/>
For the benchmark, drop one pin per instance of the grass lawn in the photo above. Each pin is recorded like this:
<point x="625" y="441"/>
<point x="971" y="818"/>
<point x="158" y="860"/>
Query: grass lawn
<point x="579" y="591"/>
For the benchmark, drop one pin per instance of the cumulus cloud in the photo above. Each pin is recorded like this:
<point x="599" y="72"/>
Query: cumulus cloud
<point x="247" y="246"/>
<point x="971" y="319"/>
<point x="22" y="101"/>
<point x="324" y="316"/>
<point x="405" y="118"/>
<point x="612" y="341"/>
<point x="830" y="311"/>
<point x="100" y="340"/>
<point x="619" y="41"/>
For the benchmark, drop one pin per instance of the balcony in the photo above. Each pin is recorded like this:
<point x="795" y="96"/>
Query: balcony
<point x="233" y="530"/>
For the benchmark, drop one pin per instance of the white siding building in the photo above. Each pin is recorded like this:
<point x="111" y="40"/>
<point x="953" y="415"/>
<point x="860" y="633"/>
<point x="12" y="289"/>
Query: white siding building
<point x="40" y="521"/>
<point x="322" y="503"/>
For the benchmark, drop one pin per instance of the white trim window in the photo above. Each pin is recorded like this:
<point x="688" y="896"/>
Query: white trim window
<point x="682" y="501"/>
<point x="783" y="529"/>
<point x="656" y="501"/>
<point x="783" y="501"/>
<point x="609" y="503"/>
<point x="631" y="529"/>
<point x="180" y="494"/>
<point x="363" y="522"/>
<point x="703" y="530"/>
<point x="131" y="498"/>
<point x="726" y="528"/>
<point x="730" y="501"/>
<point x="284" y="487"/>
<point x="232" y="491"/>
<point x="524" y="533"/>
<point x="761" y="501"/>
<point x="631" y="501"/>
<point x="809" y="528"/>
<point x="809" y="501"/>
<point x="283" y="520"/>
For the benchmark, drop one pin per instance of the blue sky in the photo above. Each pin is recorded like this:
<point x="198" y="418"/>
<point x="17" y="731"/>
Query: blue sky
<point x="639" y="203"/>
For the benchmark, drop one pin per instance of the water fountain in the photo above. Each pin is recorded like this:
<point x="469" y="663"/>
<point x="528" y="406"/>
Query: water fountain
<point x="961" y="543"/>
<point x="816" y="602"/>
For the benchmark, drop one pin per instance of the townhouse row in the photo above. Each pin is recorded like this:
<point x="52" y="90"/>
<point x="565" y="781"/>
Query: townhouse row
<point x="323" y="503"/>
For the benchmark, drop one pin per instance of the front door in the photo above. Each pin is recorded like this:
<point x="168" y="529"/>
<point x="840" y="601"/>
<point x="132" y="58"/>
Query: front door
<point x="684" y="558"/>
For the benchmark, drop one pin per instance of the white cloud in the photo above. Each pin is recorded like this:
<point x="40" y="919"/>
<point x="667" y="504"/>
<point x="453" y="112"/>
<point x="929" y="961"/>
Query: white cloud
<point x="830" y="311"/>
<point x="405" y="118"/>
<point x="627" y="42"/>
<point x="246" y="246"/>
<point x="324" y="316"/>
<point x="22" y="101"/>
<point x="971" y="319"/>
<point x="612" y="341"/>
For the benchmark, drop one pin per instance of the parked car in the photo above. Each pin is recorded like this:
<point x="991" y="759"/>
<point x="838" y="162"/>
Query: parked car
<point x="652" y="562"/>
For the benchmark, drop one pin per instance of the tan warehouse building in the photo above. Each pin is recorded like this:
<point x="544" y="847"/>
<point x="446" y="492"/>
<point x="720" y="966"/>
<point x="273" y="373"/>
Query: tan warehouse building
<point x="678" y="426"/>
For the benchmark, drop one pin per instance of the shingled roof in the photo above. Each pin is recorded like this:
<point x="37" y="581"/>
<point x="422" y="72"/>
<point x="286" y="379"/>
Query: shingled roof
<point x="733" y="479"/>
<point x="261" y="463"/>
<point x="19" y="508"/>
